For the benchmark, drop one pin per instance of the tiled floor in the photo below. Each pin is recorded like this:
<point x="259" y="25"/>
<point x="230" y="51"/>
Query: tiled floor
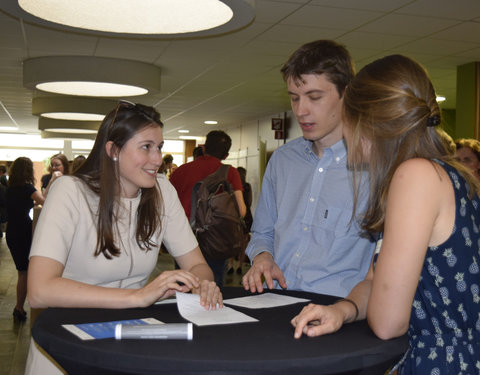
<point x="15" y="337"/>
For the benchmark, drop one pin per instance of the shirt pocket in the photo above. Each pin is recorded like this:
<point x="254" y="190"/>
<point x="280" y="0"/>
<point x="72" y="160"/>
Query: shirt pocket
<point x="338" y="221"/>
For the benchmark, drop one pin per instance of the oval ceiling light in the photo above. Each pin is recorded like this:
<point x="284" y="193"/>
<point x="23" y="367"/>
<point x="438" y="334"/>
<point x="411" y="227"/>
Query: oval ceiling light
<point x="77" y="116"/>
<point x="66" y="136"/>
<point x="166" y="18"/>
<point x="66" y="126"/>
<point x="72" y="107"/>
<point x="84" y="88"/>
<point x="90" y="76"/>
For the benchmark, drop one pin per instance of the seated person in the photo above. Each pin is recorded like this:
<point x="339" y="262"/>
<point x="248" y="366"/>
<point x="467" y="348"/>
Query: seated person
<point x="424" y="206"/>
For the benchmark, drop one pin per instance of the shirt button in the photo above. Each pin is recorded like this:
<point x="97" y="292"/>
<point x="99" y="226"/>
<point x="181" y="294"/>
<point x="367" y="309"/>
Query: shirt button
<point x="297" y="255"/>
<point x="320" y="170"/>
<point x="312" y="199"/>
<point x="337" y="159"/>
<point x="305" y="229"/>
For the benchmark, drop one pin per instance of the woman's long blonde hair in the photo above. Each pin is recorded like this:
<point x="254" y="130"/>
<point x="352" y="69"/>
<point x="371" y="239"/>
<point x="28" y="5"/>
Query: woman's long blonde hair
<point x="391" y="104"/>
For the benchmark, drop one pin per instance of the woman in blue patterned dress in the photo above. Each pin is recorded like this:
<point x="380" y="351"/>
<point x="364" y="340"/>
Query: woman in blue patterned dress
<point x="424" y="206"/>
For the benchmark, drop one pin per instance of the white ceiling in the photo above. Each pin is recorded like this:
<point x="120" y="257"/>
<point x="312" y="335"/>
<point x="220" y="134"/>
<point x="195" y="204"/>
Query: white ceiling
<point x="235" y="78"/>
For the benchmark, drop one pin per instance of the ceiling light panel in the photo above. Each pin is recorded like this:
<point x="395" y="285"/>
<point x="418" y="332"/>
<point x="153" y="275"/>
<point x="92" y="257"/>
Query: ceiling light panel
<point x="91" y="76"/>
<point x="146" y="18"/>
<point x="72" y="107"/>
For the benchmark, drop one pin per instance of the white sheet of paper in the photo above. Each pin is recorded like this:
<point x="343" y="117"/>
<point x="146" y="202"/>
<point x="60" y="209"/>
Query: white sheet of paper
<point x="263" y="301"/>
<point x="189" y="307"/>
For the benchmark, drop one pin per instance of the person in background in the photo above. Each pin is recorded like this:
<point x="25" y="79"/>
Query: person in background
<point x="449" y="142"/>
<point x="59" y="166"/>
<point x="423" y="204"/>
<point x="235" y="264"/>
<point x="3" y="175"/>
<point x="303" y="237"/>
<point x="77" y="162"/>
<point x="197" y="152"/>
<point x="468" y="153"/>
<point x="98" y="237"/>
<point x="46" y="179"/>
<point x="3" y="208"/>
<point x="172" y="169"/>
<point x="166" y="164"/>
<point x="3" y="203"/>
<point x="21" y="195"/>
<point x="217" y="146"/>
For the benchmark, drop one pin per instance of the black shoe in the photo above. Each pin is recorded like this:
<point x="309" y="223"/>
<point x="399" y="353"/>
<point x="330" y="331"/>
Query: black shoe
<point x="18" y="315"/>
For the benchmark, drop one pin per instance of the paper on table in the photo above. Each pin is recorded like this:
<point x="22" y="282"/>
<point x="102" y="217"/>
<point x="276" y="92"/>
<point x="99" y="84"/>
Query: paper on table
<point x="190" y="309"/>
<point x="263" y="301"/>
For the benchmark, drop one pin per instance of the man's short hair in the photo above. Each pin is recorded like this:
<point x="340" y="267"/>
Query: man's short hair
<point x="218" y="144"/>
<point x="321" y="57"/>
<point x="197" y="152"/>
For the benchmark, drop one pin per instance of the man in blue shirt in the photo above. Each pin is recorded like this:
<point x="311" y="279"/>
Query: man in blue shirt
<point x="303" y="234"/>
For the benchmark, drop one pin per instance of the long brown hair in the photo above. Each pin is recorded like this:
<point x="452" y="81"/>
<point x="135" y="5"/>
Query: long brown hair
<point x="101" y="174"/>
<point x="21" y="172"/>
<point x="391" y="104"/>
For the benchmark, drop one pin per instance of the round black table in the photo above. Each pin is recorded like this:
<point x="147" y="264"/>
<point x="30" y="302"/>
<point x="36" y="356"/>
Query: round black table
<point x="263" y="347"/>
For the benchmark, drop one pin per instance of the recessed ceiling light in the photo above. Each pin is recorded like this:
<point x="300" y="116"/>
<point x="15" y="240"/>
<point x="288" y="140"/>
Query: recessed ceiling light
<point x="185" y="131"/>
<point x="211" y="122"/>
<point x="441" y="99"/>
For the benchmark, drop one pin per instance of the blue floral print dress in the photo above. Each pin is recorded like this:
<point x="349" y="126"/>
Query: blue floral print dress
<point x="444" y="332"/>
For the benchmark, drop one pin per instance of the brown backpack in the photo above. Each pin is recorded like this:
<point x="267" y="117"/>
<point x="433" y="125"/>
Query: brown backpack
<point x="215" y="216"/>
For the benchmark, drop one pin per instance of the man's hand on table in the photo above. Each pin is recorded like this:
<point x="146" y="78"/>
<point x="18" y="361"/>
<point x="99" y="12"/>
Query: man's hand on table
<point x="263" y="265"/>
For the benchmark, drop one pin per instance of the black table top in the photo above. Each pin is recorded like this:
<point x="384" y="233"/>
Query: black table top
<point x="262" y="347"/>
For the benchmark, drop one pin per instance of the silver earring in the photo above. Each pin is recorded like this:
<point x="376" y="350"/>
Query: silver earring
<point x="115" y="158"/>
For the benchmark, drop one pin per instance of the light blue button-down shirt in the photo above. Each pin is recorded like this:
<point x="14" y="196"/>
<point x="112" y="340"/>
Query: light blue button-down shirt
<point x="303" y="218"/>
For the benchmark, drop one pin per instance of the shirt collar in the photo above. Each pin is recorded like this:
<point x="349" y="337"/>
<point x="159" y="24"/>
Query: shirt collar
<point x="338" y="150"/>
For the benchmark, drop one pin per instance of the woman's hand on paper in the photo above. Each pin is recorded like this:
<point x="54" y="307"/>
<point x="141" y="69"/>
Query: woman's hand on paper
<point x="165" y="285"/>
<point x="210" y="295"/>
<point x="316" y="320"/>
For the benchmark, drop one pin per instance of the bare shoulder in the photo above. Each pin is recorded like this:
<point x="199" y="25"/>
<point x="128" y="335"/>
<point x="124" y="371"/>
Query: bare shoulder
<point x="420" y="169"/>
